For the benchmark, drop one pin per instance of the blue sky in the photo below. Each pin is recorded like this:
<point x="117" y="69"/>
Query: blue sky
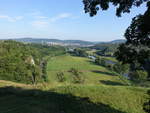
<point x="60" y="19"/>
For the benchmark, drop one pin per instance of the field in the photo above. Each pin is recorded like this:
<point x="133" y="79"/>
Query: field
<point x="101" y="92"/>
<point x="93" y="74"/>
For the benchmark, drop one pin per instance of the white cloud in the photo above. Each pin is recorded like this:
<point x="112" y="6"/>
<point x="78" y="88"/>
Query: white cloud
<point x="18" y="18"/>
<point x="5" y="17"/>
<point x="60" y="16"/>
<point x="11" y="19"/>
<point x="40" y="24"/>
<point x="35" y="13"/>
<point x="42" y="17"/>
<point x="44" y="21"/>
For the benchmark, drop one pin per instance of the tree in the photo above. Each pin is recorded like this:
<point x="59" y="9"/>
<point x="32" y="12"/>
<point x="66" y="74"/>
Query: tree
<point x="102" y="52"/>
<point x="136" y="51"/>
<point x="80" y="52"/>
<point x="123" y="6"/>
<point x="121" y="68"/>
<point x="100" y="61"/>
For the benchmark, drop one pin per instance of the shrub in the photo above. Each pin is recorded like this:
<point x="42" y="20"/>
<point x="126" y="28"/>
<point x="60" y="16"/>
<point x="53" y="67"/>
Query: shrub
<point x="110" y="67"/>
<point x="100" y="61"/>
<point x="138" y="75"/>
<point x="76" y="75"/>
<point x="61" y="77"/>
<point x="121" y="68"/>
<point x="80" y="52"/>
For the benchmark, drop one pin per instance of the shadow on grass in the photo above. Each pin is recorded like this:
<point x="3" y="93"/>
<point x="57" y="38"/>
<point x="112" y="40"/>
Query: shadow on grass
<point x="90" y="61"/>
<point x="101" y="72"/>
<point x="18" y="100"/>
<point x="107" y="82"/>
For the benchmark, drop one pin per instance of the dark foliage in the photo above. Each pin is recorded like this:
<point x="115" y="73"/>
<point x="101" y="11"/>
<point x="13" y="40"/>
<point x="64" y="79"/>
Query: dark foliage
<point x="123" y="6"/>
<point x="139" y="31"/>
<point x="136" y="51"/>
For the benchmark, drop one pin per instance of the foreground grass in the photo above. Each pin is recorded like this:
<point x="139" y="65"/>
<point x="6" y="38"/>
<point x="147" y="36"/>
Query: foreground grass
<point x="102" y="92"/>
<point x="72" y="99"/>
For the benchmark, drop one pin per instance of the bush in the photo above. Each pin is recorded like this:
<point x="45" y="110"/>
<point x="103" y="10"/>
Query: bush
<point x="76" y="75"/>
<point x="110" y="67"/>
<point x="138" y="75"/>
<point x="61" y="77"/>
<point x="100" y="61"/>
<point x="80" y="52"/>
<point x="121" y="68"/>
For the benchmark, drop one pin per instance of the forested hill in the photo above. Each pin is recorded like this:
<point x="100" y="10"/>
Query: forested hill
<point x="24" y="62"/>
<point x="62" y="42"/>
<point x="66" y="42"/>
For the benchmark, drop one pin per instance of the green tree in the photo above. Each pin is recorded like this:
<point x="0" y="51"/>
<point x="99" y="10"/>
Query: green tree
<point x="100" y="61"/>
<point x="121" y="68"/>
<point x="136" y="51"/>
<point x="80" y="52"/>
<point x="138" y="75"/>
<point x="122" y="6"/>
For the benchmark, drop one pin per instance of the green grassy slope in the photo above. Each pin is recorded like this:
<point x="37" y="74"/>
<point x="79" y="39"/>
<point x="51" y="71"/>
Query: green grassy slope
<point x="102" y="92"/>
<point x="93" y="74"/>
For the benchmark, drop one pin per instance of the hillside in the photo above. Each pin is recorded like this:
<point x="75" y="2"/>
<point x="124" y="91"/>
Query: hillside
<point x="93" y="74"/>
<point x="101" y="92"/>
<point x="24" y="63"/>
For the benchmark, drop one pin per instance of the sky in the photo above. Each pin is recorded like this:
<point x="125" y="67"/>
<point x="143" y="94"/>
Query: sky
<point x="61" y="19"/>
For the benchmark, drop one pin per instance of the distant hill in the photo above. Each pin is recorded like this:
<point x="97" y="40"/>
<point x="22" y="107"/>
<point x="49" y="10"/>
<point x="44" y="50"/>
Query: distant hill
<point x="55" y="41"/>
<point x="118" y="41"/>
<point x="36" y="40"/>
<point x="66" y="42"/>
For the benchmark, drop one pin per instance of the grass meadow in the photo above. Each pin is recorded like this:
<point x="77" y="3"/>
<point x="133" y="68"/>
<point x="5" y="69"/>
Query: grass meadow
<point x="101" y="92"/>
